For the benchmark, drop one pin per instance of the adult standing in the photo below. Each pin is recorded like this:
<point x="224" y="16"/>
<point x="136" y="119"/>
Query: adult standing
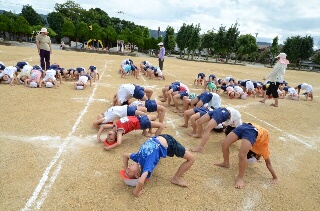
<point x="276" y="77"/>
<point x="44" y="48"/>
<point x="161" y="55"/>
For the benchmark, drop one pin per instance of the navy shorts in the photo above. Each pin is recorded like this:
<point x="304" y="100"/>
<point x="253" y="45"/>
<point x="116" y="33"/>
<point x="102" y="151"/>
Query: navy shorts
<point x="201" y="110"/>
<point x="176" y="83"/>
<point x="138" y="92"/>
<point x="79" y="69"/>
<point x="182" y="94"/>
<point x="224" y="87"/>
<point x="243" y="83"/>
<point x="219" y="115"/>
<point x="131" y="110"/>
<point x="246" y="131"/>
<point x="174" y="87"/>
<point x="299" y="86"/>
<point x="144" y="122"/>
<point x="151" y="105"/>
<point x="286" y="88"/>
<point x="174" y="147"/>
<point x="212" y="77"/>
<point x="205" y="97"/>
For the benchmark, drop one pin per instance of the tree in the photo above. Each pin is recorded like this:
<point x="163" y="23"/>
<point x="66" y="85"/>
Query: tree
<point x="22" y="27"/>
<point x="316" y="58"/>
<point x="298" y="48"/>
<point x="181" y="39"/>
<point x="31" y="16"/>
<point x="246" y="44"/>
<point x="220" y="41"/>
<point x="231" y="39"/>
<point x="68" y="29"/>
<point x="56" y="21"/>
<point x="169" y="39"/>
<point x="137" y="38"/>
<point x="5" y="24"/>
<point x="111" y="35"/>
<point x="274" y="50"/>
<point x="82" y="32"/>
<point x="70" y="10"/>
<point x="207" y="42"/>
<point x="194" y="39"/>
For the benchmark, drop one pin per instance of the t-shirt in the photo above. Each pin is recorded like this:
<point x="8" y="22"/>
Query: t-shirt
<point x="235" y="117"/>
<point x="10" y="71"/>
<point x="25" y="71"/>
<point x="215" y="101"/>
<point x="44" y="41"/>
<point x="128" y="124"/>
<point x="51" y="73"/>
<point x="35" y="75"/>
<point x="115" y="112"/>
<point x="249" y="85"/>
<point x="261" y="146"/>
<point x="149" y="155"/>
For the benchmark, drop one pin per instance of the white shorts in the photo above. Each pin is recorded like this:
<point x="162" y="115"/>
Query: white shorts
<point x="125" y="92"/>
<point x="83" y="79"/>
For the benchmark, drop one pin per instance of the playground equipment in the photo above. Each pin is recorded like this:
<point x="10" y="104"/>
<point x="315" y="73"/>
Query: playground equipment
<point x="93" y="40"/>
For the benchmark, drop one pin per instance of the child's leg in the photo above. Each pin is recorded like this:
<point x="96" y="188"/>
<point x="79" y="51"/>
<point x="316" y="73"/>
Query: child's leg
<point x="199" y="104"/>
<point x="160" y="126"/>
<point x="148" y="92"/>
<point x="161" y="112"/>
<point x="193" y="119"/>
<point x="230" y="139"/>
<point x="175" y="101"/>
<point x="211" y="124"/>
<point x="186" y="115"/>
<point x="243" y="151"/>
<point x="141" y="110"/>
<point x="205" y="118"/>
<point x="185" y="166"/>
<point x="97" y="122"/>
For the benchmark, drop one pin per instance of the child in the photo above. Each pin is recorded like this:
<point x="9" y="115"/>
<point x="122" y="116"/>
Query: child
<point x="35" y="78"/>
<point x="126" y="125"/>
<point x="201" y="99"/>
<point x="211" y="86"/>
<point x="148" y="157"/>
<point x="154" y="71"/>
<point x="8" y="75"/>
<point x="144" y="66"/>
<point x="2" y="67"/>
<point x="254" y="138"/>
<point x="227" y="116"/>
<point x="199" y="79"/>
<point x="308" y="88"/>
<point x="50" y="79"/>
<point x="82" y="82"/>
<point x="20" y="65"/>
<point x="59" y="71"/>
<point x="118" y="112"/>
<point x="292" y="94"/>
<point x="127" y="91"/>
<point x="78" y="72"/>
<point x="93" y="72"/>
<point x="125" y="71"/>
<point x="183" y="92"/>
<point x="24" y="74"/>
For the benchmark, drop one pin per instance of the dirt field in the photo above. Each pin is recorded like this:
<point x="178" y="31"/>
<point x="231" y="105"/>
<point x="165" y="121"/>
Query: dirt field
<point x="50" y="159"/>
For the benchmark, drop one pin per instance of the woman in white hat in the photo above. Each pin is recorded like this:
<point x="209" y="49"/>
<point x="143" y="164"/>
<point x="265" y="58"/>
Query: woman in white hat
<point x="276" y="77"/>
<point x="161" y="55"/>
<point x="44" y="48"/>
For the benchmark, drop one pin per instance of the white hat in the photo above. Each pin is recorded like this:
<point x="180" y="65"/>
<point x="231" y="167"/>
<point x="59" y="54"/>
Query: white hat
<point x="128" y="181"/>
<point x="160" y="43"/>
<point x="44" y="30"/>
<point x="49" y="85"/>
<point x="282" y="57"/>
<point x="33" y="84"/>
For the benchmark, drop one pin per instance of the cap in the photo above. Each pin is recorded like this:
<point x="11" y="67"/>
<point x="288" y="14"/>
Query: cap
<point x="33" y="85"/>
<point x="49" y="85"/>
<point x="128" y="181"/>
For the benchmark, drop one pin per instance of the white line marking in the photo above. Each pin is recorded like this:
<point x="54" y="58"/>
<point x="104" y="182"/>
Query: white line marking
<point x="44" y="178"/>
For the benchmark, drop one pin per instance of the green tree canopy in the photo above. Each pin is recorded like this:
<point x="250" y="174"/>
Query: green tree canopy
<point x="169" y="39"/>
<point x="56" y="21"/>
<point x="246" y="44"/>
<point x="31" y="15"/>
<point x="68" y="29"/>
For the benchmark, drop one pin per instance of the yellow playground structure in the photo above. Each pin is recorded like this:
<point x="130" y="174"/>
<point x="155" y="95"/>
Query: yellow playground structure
<point x="93" y="40"/>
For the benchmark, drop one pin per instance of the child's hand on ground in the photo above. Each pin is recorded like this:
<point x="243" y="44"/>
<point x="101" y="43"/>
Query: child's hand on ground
<point x="274" y="181"/>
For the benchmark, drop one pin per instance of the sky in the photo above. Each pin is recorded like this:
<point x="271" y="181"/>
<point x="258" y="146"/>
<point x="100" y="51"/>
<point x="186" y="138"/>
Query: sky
<point x="264" y="19"/>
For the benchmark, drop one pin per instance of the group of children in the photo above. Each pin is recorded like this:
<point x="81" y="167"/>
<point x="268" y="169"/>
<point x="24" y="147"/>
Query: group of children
<point x="127" y="67"/>
<point x="35" y="76"/>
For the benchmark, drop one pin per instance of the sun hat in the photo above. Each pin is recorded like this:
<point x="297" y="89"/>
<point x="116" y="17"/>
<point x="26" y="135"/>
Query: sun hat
<point x="160" y="43"/>
<point x="33" y="84"/>
<point x="44" y="30"/>
<point x="79" y="87"/>
<point x="49" y="85"/>
<point x="282" y="58"/>
<point x="128" y="181"/>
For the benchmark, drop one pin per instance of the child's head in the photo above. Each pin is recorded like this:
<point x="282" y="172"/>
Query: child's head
<point x="231" y="94"/>
<point x="133" y="171"/>
<point x="249" y="92"/>
<point x="111" y="136"/>
<point x="5" y="77"/>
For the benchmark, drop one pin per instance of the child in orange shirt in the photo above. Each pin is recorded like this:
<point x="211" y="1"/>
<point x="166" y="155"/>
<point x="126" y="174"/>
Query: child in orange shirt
<point x="255" y="139"/>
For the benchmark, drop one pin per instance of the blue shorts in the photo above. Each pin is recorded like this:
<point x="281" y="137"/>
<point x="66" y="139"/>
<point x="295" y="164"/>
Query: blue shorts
<point x="243" y="83"/>
<point x="182" y="94"/>
<point x="219" y="115"/>
<point x="146" y="67"/>
<point x="212" y="77"/>
<point x="133" y="68"/>
<point x="219" y="81"/>
<point x="246" y="131"/>
<point x="174" y="147"/>
<point x="201" y="110"/>
<point x="92" y="68"/>
<point x="174" y="87"/>
<point x="224" y="87"/>
<point x="69" y="70"/>
<point x="79" y="69"/>
<point x="286" y="88"/>
<point x="138" y="92"/>
<point x="151" y="105"/>
<point x="131" y="110"/>
<point x="299" y="86"/>
<point x="176" y="83"/>
<point x="205" y="97"/>
<point x="144" y="122"/>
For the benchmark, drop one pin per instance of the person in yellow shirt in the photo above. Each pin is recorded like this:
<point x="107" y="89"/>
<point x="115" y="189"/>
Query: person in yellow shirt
<point x="254" y="141"/>
<point x="44" y="48"/>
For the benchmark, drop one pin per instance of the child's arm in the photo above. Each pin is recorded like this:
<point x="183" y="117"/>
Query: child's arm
<point x="139" y="187"/>
<point x="273" y="173"/>
<point x="118" y="143"/>
<point x="102" y="128"/>
<point x="125" y="160"/>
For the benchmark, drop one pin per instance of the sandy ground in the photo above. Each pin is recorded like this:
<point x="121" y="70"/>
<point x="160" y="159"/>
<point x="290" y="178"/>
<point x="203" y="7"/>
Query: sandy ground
<point x="50" y="159"/>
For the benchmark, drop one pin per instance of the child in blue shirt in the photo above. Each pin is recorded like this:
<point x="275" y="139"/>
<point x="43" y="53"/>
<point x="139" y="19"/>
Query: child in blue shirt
<point x="148" y="157"/>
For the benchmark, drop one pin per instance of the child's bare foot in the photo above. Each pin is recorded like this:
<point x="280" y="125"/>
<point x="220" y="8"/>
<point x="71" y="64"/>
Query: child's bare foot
<point x="184" y="125"/>
<point x="239" y="183"/>
<point x="146" y="134"/>
<point x="178" y="181"/>
<point x="190" y="134"/>
<point x="223" y="164"/>
<point x="196" y="149"/>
